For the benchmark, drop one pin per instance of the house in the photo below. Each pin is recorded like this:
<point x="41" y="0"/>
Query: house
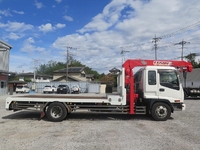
<point x="73" y="74"/>
<point x="29" y="77"/>
<point x="4" y="66"/>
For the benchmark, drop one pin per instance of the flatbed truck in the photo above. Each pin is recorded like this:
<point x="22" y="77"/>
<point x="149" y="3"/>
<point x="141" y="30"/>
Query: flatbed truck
<point x="155" y="89"/>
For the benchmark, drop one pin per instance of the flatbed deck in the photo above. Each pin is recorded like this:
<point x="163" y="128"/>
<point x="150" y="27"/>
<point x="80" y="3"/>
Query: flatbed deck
<point x="63" y="96"/>
<point x="83" y="98"/>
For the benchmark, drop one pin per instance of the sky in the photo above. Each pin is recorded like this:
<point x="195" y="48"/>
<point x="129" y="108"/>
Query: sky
<point x="101" y="34"/>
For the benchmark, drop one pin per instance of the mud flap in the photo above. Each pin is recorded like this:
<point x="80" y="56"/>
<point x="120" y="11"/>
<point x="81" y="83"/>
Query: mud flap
<point x="42" y="114"/>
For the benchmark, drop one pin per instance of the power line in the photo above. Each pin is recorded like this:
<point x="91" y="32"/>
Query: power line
<point x="183" y="30"/>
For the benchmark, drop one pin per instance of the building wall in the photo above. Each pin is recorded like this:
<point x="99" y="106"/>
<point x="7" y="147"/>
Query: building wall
<point x="4" y="66"/>
<point x="3" y="84"/>
<point x="4" y="60"/>
<point x="57" y="75"/>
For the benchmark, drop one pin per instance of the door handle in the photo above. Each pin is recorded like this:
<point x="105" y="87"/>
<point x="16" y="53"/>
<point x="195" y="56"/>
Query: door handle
<point x="161" y="90"/>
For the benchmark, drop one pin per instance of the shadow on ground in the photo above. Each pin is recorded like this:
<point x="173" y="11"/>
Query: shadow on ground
<point x="192" y="98"/>
<point x="34" y="115"/>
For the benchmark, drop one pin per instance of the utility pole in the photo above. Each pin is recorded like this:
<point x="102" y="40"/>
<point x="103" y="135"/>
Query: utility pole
<point x="67" y="60"/>
<point x="34" y="73"/>
<point x="123" y="57"/>
<point x="155" y="40"/>
<point x="182" y="43"/>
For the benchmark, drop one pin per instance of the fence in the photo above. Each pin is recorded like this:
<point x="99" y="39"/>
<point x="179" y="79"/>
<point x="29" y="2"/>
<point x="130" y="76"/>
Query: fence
<point x="86" y="87"/>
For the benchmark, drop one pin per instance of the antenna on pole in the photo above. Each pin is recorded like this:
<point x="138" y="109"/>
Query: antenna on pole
<point x="123" y="57"/>
<point x="155" y="40"/>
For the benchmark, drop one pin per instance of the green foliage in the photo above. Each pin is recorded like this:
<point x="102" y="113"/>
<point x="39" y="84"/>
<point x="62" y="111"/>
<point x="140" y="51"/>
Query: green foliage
<point x="50" y="67"/>
<point x="97" y="76"/>
<point x="27" y="80"/>
<point x="13" y="77"/>
<point x="191" y="57"/>
<point x="74" y="63"/>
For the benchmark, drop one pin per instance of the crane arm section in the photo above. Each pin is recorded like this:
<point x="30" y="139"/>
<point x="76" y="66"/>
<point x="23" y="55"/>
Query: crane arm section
<point x="131" y="63"/>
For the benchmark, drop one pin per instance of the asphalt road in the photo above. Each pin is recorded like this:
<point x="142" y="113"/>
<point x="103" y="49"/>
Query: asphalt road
<point x="25" y="131"/>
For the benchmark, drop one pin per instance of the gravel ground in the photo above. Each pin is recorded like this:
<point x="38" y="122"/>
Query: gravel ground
<point x="24" y="131"/>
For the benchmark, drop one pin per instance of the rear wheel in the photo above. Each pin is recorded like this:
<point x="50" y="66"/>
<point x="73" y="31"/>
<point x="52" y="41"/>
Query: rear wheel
<point x="160" y="111"/>
<point x="56" y="112"/>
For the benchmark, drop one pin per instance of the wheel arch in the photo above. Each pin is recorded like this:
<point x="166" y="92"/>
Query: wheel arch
<point x="153" y="101"/>
<point x="66" y="106"/>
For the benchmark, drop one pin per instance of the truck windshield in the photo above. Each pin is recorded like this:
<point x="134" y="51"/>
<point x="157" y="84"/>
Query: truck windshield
<point x="169" y="78"/>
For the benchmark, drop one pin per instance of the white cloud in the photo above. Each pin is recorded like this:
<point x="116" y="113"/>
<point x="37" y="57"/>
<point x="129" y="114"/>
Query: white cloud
<point x="18" y="26"/>
<point x="46" y="27"/>
<point x="29" y="47"/>
<point x="5" y="12"/>
<point x="131" y="25"/>
<point x="14" y="36"/>
<point x="38" y="4"/>
<point x="109" y="17"/>
<point x="68" y="18"/>
<point x="58" y="1"/>
<point x="49" y="27"/>
<point x="2" y="25"/>
<point x="18" y="12"/>
<point x="59" y="25"/>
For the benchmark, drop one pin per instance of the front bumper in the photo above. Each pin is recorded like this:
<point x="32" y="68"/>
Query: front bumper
<point x="179" y="106"/>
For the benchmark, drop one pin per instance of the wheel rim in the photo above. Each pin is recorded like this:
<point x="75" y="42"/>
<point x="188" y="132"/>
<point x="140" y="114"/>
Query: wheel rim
<point x="56" y="112"/>
<point x="161" y="111"/>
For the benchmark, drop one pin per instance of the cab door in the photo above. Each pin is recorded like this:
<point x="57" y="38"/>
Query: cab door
<point x="169" y="85"/>
<point x="151" y="86"/>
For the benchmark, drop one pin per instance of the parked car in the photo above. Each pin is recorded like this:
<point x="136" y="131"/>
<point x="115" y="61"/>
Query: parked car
<point x="49" y="89"/>
<point x="63" y="89"/>
<point x="22" y="89"/>
<point x="76" y="89"/>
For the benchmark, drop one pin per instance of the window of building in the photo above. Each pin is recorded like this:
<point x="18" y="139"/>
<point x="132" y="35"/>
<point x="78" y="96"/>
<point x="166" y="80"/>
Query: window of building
<point x="2" y="85"/>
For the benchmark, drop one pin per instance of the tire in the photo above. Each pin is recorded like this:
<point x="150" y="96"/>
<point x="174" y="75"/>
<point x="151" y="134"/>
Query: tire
<point x="160" y="111"/>
<point x="56" y="112"/>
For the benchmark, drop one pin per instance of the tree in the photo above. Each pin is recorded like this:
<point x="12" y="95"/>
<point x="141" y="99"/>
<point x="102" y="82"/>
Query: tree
<point x="109" y="79"/>
<point x="74" y="63"/>
<point x="50" y="67"/>
<point x="191" y="57"/>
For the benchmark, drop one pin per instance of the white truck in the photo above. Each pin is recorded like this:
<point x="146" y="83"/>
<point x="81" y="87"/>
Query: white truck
<point x="155" y="89"/>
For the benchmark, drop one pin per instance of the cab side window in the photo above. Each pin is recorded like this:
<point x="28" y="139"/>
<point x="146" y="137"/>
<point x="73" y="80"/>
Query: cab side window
<point x="169" y="78"/>
<point x="152" y="77"/>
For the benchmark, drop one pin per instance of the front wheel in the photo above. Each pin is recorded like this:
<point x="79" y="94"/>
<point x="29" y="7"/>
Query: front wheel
<point x="160" y="111"/>
<point x="56" y="112"/>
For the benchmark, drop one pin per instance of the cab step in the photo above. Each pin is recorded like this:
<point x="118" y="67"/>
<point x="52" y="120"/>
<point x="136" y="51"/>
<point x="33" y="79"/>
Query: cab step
<point x="140" y="109"/>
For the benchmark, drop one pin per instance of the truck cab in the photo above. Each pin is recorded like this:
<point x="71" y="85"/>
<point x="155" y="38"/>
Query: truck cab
<point x="156" y="82"/>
